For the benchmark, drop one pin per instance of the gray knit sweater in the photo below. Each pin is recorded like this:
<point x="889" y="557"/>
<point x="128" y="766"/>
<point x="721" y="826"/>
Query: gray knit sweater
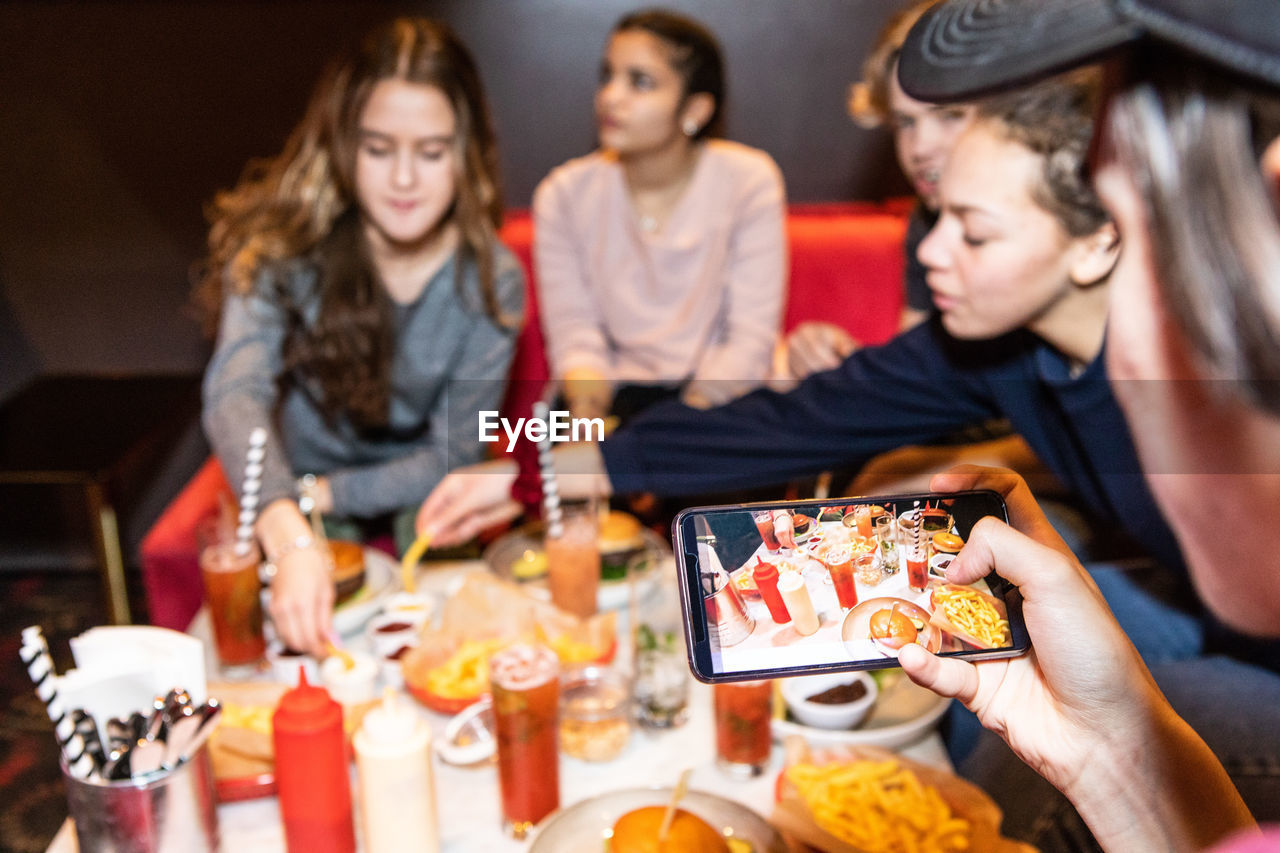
<point x="451" y="361"/>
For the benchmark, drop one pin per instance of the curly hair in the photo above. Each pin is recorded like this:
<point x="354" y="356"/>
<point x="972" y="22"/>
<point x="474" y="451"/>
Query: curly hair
<point x="869" y="97"/>
<point x="1055" y="119"/>
<point x="301" y="204"/>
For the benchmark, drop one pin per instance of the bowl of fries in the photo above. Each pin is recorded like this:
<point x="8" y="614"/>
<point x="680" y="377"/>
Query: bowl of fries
<point x="461" y="679"/>
<point x="869" y="800"/>
<point x="970" y="615"/>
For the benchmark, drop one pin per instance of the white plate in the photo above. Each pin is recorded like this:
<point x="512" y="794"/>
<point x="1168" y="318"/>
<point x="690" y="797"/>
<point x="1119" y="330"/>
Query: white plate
<point x="381" y="579"/>
<point x="903" y="713"/>
<point x="581" y="827"/>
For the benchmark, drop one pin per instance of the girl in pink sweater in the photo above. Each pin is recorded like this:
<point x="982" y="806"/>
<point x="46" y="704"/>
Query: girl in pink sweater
<point x="661" y="256"/>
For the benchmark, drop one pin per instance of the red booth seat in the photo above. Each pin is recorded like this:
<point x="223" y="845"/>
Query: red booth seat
<point x="170" y="564"/>
<point x="846" y="268"/>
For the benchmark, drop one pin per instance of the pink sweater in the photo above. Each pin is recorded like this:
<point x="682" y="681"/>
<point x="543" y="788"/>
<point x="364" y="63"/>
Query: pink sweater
<point x="1268" y="841"/>
<point x="700" y="299"/>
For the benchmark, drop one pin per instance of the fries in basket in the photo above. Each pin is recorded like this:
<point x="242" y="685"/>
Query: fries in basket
<point x="879" y="806"/>
<point x="869" y="800"/>
<point x="974" y="617"/>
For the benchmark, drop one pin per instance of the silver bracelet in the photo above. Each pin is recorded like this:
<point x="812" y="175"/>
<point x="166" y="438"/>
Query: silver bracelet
<point x="302" y="542"/>
<point x="306" y="494"/>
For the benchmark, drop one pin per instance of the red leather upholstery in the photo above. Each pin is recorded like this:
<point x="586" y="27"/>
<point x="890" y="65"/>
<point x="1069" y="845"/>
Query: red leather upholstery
<point x="846" y="268"/>
<point x="170" y="562"/>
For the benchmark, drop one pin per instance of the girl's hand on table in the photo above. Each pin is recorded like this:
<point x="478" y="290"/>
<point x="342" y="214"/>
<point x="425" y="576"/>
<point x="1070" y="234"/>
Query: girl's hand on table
<point x="587" y="392"/>
<point x="302" y="601"/>
<point x="784" y="528"/>
<point x="302" y="589"/>
<point x="467" y="501"/>
<point x="709" y="393"/>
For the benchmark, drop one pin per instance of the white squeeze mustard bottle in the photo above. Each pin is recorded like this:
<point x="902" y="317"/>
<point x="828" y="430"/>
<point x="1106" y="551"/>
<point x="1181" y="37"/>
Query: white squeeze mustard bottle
<point x="397" y="788"/>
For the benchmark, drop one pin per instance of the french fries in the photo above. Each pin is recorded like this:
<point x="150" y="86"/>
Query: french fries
<point x="571" y="651"/>
<point x="466" y="673"/>
<point x="879" y="807"/>
<point x="255" y="718"/>
<point x="973" y="614"/>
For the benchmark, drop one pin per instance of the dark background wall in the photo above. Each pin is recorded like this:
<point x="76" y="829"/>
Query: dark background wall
<point x="122" y="118"/>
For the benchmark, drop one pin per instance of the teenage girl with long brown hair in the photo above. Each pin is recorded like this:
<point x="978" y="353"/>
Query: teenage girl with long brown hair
<point x="365" y="309"/>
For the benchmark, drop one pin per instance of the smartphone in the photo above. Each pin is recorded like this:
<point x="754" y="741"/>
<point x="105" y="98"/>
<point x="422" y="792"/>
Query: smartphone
<point x="799" y="587"/>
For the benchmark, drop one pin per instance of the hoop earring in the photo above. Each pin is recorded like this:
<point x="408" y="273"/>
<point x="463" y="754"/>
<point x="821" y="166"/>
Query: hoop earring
<point x="690" y="128"/>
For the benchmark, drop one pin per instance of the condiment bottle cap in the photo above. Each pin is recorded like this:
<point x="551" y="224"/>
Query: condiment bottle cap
<point x="306" y="706"/>
<point x="391" y="721"/>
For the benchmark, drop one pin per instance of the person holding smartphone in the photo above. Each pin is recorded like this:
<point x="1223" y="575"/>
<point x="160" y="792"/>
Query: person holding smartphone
<point x="1188" y="162"/>
<point x="1081" y="440"/>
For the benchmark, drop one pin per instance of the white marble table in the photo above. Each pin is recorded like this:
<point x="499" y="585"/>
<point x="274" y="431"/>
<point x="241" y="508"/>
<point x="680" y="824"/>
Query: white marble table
<point x="467" y="798"/>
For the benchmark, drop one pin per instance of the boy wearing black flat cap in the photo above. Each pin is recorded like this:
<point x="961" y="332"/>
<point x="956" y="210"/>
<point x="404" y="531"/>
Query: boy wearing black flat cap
<point x="1187" y="161"/>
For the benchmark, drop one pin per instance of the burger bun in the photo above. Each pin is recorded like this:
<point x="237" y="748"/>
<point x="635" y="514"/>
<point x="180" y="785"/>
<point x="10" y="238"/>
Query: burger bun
<point x="637" y="832"/>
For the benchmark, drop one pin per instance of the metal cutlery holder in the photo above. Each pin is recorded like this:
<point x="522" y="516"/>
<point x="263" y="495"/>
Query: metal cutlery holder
<point x="169" y="811"/>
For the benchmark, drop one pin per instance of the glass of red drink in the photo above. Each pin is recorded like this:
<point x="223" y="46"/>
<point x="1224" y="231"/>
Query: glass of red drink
<point x="525" y="684"/>
<point x="764" y="524"/>
<point x="839" y="562"/>
<point x="233" y="595"/>
<point x="915" y="550"/>
<point x="743" y="727"/>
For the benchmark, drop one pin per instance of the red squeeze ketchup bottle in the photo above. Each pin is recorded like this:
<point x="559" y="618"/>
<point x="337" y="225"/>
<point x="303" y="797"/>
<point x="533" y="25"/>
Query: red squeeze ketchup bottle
<point x="312" y="779"/>
<point x="766" y="578"/>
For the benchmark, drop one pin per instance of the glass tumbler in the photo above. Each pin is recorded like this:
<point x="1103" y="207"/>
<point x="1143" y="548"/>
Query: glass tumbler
<point x="661" y="687"/>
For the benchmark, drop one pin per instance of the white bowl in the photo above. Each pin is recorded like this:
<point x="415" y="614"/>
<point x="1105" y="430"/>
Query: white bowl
<point x="392" y="630"/>
<point x="354" y="686"/>
<point x="415" y="605"/>
<point x="822" y="716"/>
<point x="285" y="663"/>
<point x="391" y="672"/>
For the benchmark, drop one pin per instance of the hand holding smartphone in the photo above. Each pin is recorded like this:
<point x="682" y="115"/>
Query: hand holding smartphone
<point x="778" y="589"/>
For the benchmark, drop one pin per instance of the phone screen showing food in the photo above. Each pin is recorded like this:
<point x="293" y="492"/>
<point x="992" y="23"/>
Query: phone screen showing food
<point x="805" y="586"/>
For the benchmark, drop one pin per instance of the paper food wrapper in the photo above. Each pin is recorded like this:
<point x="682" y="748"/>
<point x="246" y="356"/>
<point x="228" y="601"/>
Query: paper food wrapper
<point x="792" y="817"/>
<point x="241" y="746"/>
<point x="489" y="608"/>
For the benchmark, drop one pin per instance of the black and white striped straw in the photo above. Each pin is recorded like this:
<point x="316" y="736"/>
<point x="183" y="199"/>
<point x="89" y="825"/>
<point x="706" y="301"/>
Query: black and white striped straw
<point x="249" y="491"/>
<point x="35" y="657"/>
<point x="547" y="472"/>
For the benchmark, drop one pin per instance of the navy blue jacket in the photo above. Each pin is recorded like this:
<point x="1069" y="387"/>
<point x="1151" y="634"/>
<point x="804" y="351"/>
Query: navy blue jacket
<point x="921" y="386"/>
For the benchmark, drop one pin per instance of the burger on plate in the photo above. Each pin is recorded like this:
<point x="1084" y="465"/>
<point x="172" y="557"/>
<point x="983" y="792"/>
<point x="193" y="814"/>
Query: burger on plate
<point x="637" y="832"/>
<point x="947" y="543"/>
<point x="802" y="527"/>
<point x="621" y="538"/>
<point x="348" y="569"/>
